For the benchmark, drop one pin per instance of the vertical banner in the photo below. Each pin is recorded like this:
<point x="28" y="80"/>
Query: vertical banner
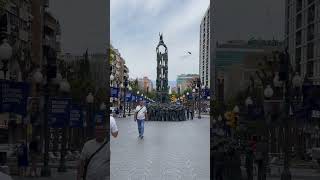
<point x="58" y="112"/>
<point x="13" y="97"/>
<point x="99" y="117"/>
<point x="76" y="116"/>
<point x="114" y="92"/>
<point x="129" y="97"/>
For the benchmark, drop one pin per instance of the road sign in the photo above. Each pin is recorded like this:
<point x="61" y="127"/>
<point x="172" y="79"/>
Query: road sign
<point x="13" y="97"/>
<point x="76" y="116"/>
<point x="58" y="112"/>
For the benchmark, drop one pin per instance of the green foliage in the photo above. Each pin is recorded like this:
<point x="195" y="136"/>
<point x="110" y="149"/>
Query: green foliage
<point x="3" y="4"/>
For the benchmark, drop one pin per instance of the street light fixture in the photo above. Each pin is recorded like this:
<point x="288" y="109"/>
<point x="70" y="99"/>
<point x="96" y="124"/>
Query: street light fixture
<point x="296" y="80"/>
<point x="64" y="86"/>
<point x="5" y="55"/>
<point x="236" y="109"/>
<point x="5" y="50"/>
<point x="37" y="77"/>
<point x="248" y="101"/>
<point x="268" y="92"/>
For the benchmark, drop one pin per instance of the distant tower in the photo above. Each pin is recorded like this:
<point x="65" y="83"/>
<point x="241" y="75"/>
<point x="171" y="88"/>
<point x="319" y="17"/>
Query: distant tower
<point x="162" y="72"/>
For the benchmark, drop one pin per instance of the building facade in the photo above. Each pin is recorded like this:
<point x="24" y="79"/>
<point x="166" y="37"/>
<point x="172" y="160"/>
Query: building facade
<point x="237" y="62"/>
<point x="118" y="69"/>
<point x="145" y="84"/>
<point x="204" y="50"/>
<point x="302" y="29"/>
<point x="184" y="81"/>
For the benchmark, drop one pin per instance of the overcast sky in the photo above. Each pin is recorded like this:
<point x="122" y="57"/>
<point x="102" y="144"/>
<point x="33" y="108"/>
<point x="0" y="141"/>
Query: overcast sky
<point x="83" y="24"/>
<point x="135" y="27"/>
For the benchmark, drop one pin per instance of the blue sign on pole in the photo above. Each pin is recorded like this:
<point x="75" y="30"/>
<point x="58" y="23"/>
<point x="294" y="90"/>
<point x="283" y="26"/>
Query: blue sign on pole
<point x="76" y="116"/>
<point x="58" y="112"/>
<point x="114" y="92"/>
<point x="14" y="97"/>
<point x="133" y="98"/>
<point x="129" y="97"/>
<point x="99" y="117"/>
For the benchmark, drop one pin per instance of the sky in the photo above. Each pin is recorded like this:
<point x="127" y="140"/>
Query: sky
<point x="135" y="26"/>
<point x="83" y="25"/>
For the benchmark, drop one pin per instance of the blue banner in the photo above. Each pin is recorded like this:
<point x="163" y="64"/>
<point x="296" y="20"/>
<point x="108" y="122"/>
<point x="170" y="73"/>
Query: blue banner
<point x="114" y="92"/>
<point x="133" y="98"/>
<point x="100" y="117"/>
<point x="76" y="116"/>
<point x="58" y="112"/>
<point x="129" y="97"/>
<point x="14" y="97"/>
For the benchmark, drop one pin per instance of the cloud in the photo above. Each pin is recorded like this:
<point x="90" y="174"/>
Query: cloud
<point x="135" y="33"/>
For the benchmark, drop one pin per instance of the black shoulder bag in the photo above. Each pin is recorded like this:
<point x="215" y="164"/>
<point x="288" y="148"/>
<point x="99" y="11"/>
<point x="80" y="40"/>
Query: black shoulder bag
<point x="85" y="169"/>
<point x="136" y="114"/>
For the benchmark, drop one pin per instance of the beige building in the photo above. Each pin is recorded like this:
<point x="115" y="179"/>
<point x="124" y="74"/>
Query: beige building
<point x="145" y="84"/>
<point x="119" y="70"/>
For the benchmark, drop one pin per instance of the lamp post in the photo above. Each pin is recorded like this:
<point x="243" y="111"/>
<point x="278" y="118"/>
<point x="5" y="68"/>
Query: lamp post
<point x="130" y="102"/>
<point x="5" y="55"/>
<point x="199" y="98"/>
<point x="193" y="102"/>
<point x="64" y="89"/>
<point x="37" y="79"/>
<point x="90" y="101"/>
<point x="125" y="96"/>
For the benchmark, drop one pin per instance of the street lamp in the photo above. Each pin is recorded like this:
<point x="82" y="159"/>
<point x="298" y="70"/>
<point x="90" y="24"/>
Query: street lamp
<point x="130" y="102"/>
<point x="5" y="55"/>
<point x="236" y="109"/>
<point x="64" y="88"/>
<point x="194" y="101"/>
<point x="200" y="88"/>
<point x="268" y="92"/>
<point x="126" y="83"/>
<point x="296" y="80"/>
<point x="90" y="101"/>
<point x="248" y="101"/>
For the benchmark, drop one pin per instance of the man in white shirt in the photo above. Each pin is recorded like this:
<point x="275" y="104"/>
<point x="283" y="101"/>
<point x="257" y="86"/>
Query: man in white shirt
<point x="113" y="127"/>
<point x="98" y="166"/>
<point x="140" y="116"/>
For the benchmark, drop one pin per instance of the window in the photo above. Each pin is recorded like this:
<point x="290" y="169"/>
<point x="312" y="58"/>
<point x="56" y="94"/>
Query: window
<point x="299" y="5"/>
<point x="299" y="21"/>
<point x="309" y="69"/>
<point x="310" y="35"/>
<point x="310" y="1"/>
<point x="298" y="38"/>
<point x="298" y="59"/>
<point x="311" y="13"/>
<point x="310" y="50"/>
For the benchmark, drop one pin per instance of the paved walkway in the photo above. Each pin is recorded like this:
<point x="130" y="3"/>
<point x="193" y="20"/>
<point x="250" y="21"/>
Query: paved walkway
<point x="169" y="151"/>
<point x="70" y="175"/>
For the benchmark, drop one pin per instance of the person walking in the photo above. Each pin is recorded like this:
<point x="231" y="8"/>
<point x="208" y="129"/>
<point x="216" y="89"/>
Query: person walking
<point x="34" y="152"/>
<point x="95" y="156"/>
<point x="23" y="162"/>
<point x="140" y="116"/>
<point x="113" y="127"/>
<point x="188" y="111"/>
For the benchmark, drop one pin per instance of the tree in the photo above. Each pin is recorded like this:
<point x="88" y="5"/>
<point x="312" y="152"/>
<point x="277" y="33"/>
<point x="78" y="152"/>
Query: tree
<point x="3" y="4"/>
